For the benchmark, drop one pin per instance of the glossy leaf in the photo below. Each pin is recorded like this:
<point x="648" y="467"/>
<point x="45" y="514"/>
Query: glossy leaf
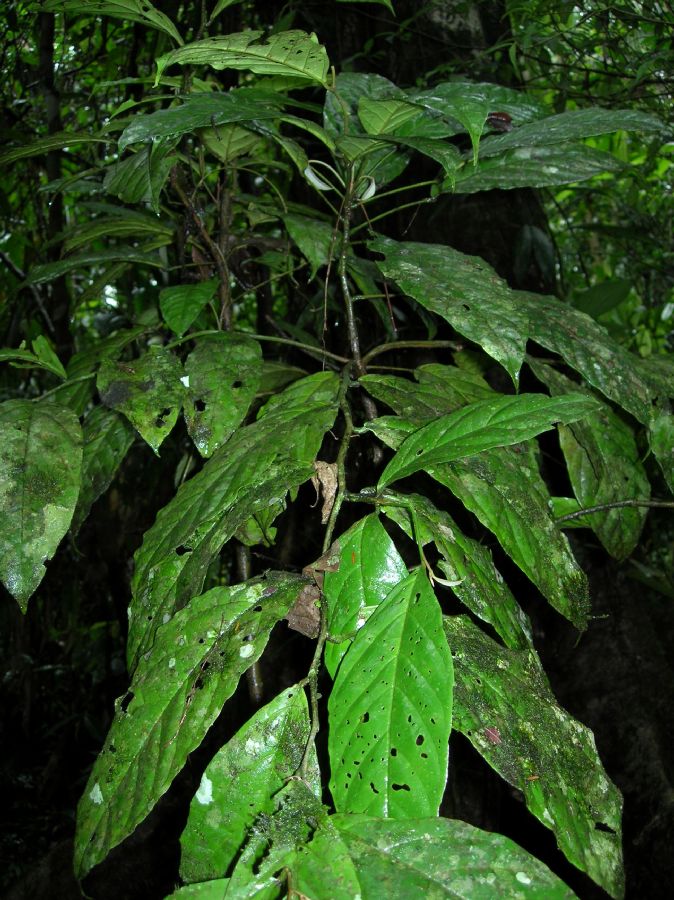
<point x="240" y="781"/>
<point x="294" y="53"/>
<point x="49" y="271"/>
<point x="368" y="566"/>
<point x="107" y="439"/>
<point x="505" y="707"/>
<point x="604" y="466"/>
<point x="482" y="426"/>
<point x="223" y="373"/>
<point x="534" y="167"/>
<point x="228" y="142"/>
<point x="180" y="305"/>
<point x="131" y="10"/>
<point x="177" y="692"/>
<point x="252" y="471"/>
<point x="48" y="358"/>
<point x="571" y="125"/>
<point x="140" y="177"/>
<point x="362" y="856"/>
<point x="220" y="6"/>
<point x="465" y="562"/>
<point x="127" y="224"/>
<point x="385" y="116"/>
<point x="521" y="107"/>
<point x="505" y="491"/>
<point x="40" y="461"/>
<point x="317" y="241"/>
<point x="203" y="110"/>
<point x="456" y="385"/>
<point x="147" y="390"/>
<point x="464" y="290"/>
<point x="390" y="710"/>
<point x="60" y="141"/>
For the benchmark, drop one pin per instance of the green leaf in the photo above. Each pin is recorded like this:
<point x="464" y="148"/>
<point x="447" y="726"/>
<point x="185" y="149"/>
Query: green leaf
<point x="447" y="155"/>
<point x="107" y="439"/>
<point x="126" y="224"/>
<point x="362" y="856"/>
<point x="177" y="692"/>
<point x="481" y="426"/>
<point x="40" y="461"/>
<point x="50" y="271"/>
<point x="442" y="98"/>
<point x="440" y="390"/>
<point x="224" y="374"/>
<point x="504" y="489"/>
<point x="316" y="240"/>
<point x="602" y="298"/>
<point x="205" y="890"/>
<point x="505" y="707"/>
<point x="203" y="110"/>
<point x="465" y="562"/>
<point x="220" y="6"/>
<point x="180" y="305"/>
<point x="390" y="709"/>
<point x="255" y="764"/>
<point x="604" y="467"/>
<point x="60" y="141"/>
<point x="464" y="290"/>
<point x="141" y="177"/>
<point x="252" y="471"/>
<point x="385" y="116"/>
<point x="570" y="126"/>
<point x="44" y="352"/>
<point x="130" y="10"/>
<point x="534" y="167"/>
<point x="368" y="566"/>
<point x="292" y="53"/>
<point x="147" y="390"/>
<point x="228" y="142"/>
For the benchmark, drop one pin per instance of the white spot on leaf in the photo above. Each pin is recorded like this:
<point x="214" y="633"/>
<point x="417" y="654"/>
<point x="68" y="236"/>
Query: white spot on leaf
<point x="522" y="878"/>
<point x="95" y="794"/>
<point x="205" y="793"/>
<point x="246" y="650"/>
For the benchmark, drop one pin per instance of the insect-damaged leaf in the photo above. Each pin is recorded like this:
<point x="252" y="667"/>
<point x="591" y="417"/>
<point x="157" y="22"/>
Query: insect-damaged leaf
<point x="223" y="373"/>
<point x="176" y="693"/>
<point x="147" y="390"/>
<point x="254" y="764"/>
<point x="40" y="461"/>
<point x="390" y="710"/>
<point x="504" y="705"/>
<point x="252" y="471"/>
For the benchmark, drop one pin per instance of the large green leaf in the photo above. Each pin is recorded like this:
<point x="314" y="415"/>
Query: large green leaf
<point x="252" y="471"/>
<point x="181" y="304"/>
<point x="504" y="705"/>
<point x="367" y="567"/>
<point x="50" y="271"/>
<point x="131" y="10"/>
<point x="223" y="374"/>
<point x="534" y="167"/>
<point x="390" y="709"/>
<point x="385" y="116"/>
<point x="316" y="240"/>
<point x="60" y="141"/>
<point x="141" y="177"/>
<point x="107" y="438"/>
<point x="202" y="111"/>
<point x="504" y="489"/>
<point x="482" y="426"/>
<point x="464" y="290"/>
<point x="441" y="99"/>
<point x="147" y="390"/>
<point x="464" y="562"/>
<point x="126" y="224"/>
<point x="604" y="466"/>
<point x="40" y="461"/>
<point x="362" y="856"/>
<point x="570" y="126"/>
<point x="293" y="53"/>
<point x="177" y="692"/>
<point x="254" y="764"/>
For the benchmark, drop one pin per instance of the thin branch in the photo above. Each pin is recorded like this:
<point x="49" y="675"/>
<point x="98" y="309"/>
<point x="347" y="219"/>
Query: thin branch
<point x="411" y="345"/>
<point x="617" y="504"/>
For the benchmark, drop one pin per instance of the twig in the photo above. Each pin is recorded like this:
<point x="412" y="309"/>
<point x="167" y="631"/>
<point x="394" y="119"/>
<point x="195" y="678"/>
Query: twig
<point x="411" y="345"/>
<point x="617" y="504"/>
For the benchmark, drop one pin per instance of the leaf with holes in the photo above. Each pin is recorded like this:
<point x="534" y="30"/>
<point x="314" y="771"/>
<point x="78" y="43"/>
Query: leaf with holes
<point x="464" y="562"/>
<point x="252" y="471"/>
<point x="464" y="290"/>
<point x="107" y="438"/>
<point x="148" y="391"/>
<point x="604" y="466"/>
<point x="40" y="461"/>
<point x="362" y="856"/>
<point x="367" y="567"/>
<point x="180" y="305"/>
<point x="223" y="374"/>
<point x="504" y="705"/>
<point x="176" y="693"/>
<point x="390" y="710"/>
<point x="480" y="426"/>
<point x="294" y="53"/>
<point x="240" y="781"/>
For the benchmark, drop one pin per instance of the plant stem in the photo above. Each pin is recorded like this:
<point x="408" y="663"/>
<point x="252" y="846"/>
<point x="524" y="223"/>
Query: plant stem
<point x="63" y="385"/>
<point x="410" y="345"/>
<point x="352" y="330"/>
<point x="315" y="351"/>
<point x="617" y="504"/>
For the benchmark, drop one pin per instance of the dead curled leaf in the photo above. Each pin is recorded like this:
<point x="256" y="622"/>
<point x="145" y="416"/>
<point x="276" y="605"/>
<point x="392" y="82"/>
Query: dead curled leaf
<point x="305" y="615"/>
<point x="325" y="482"/>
